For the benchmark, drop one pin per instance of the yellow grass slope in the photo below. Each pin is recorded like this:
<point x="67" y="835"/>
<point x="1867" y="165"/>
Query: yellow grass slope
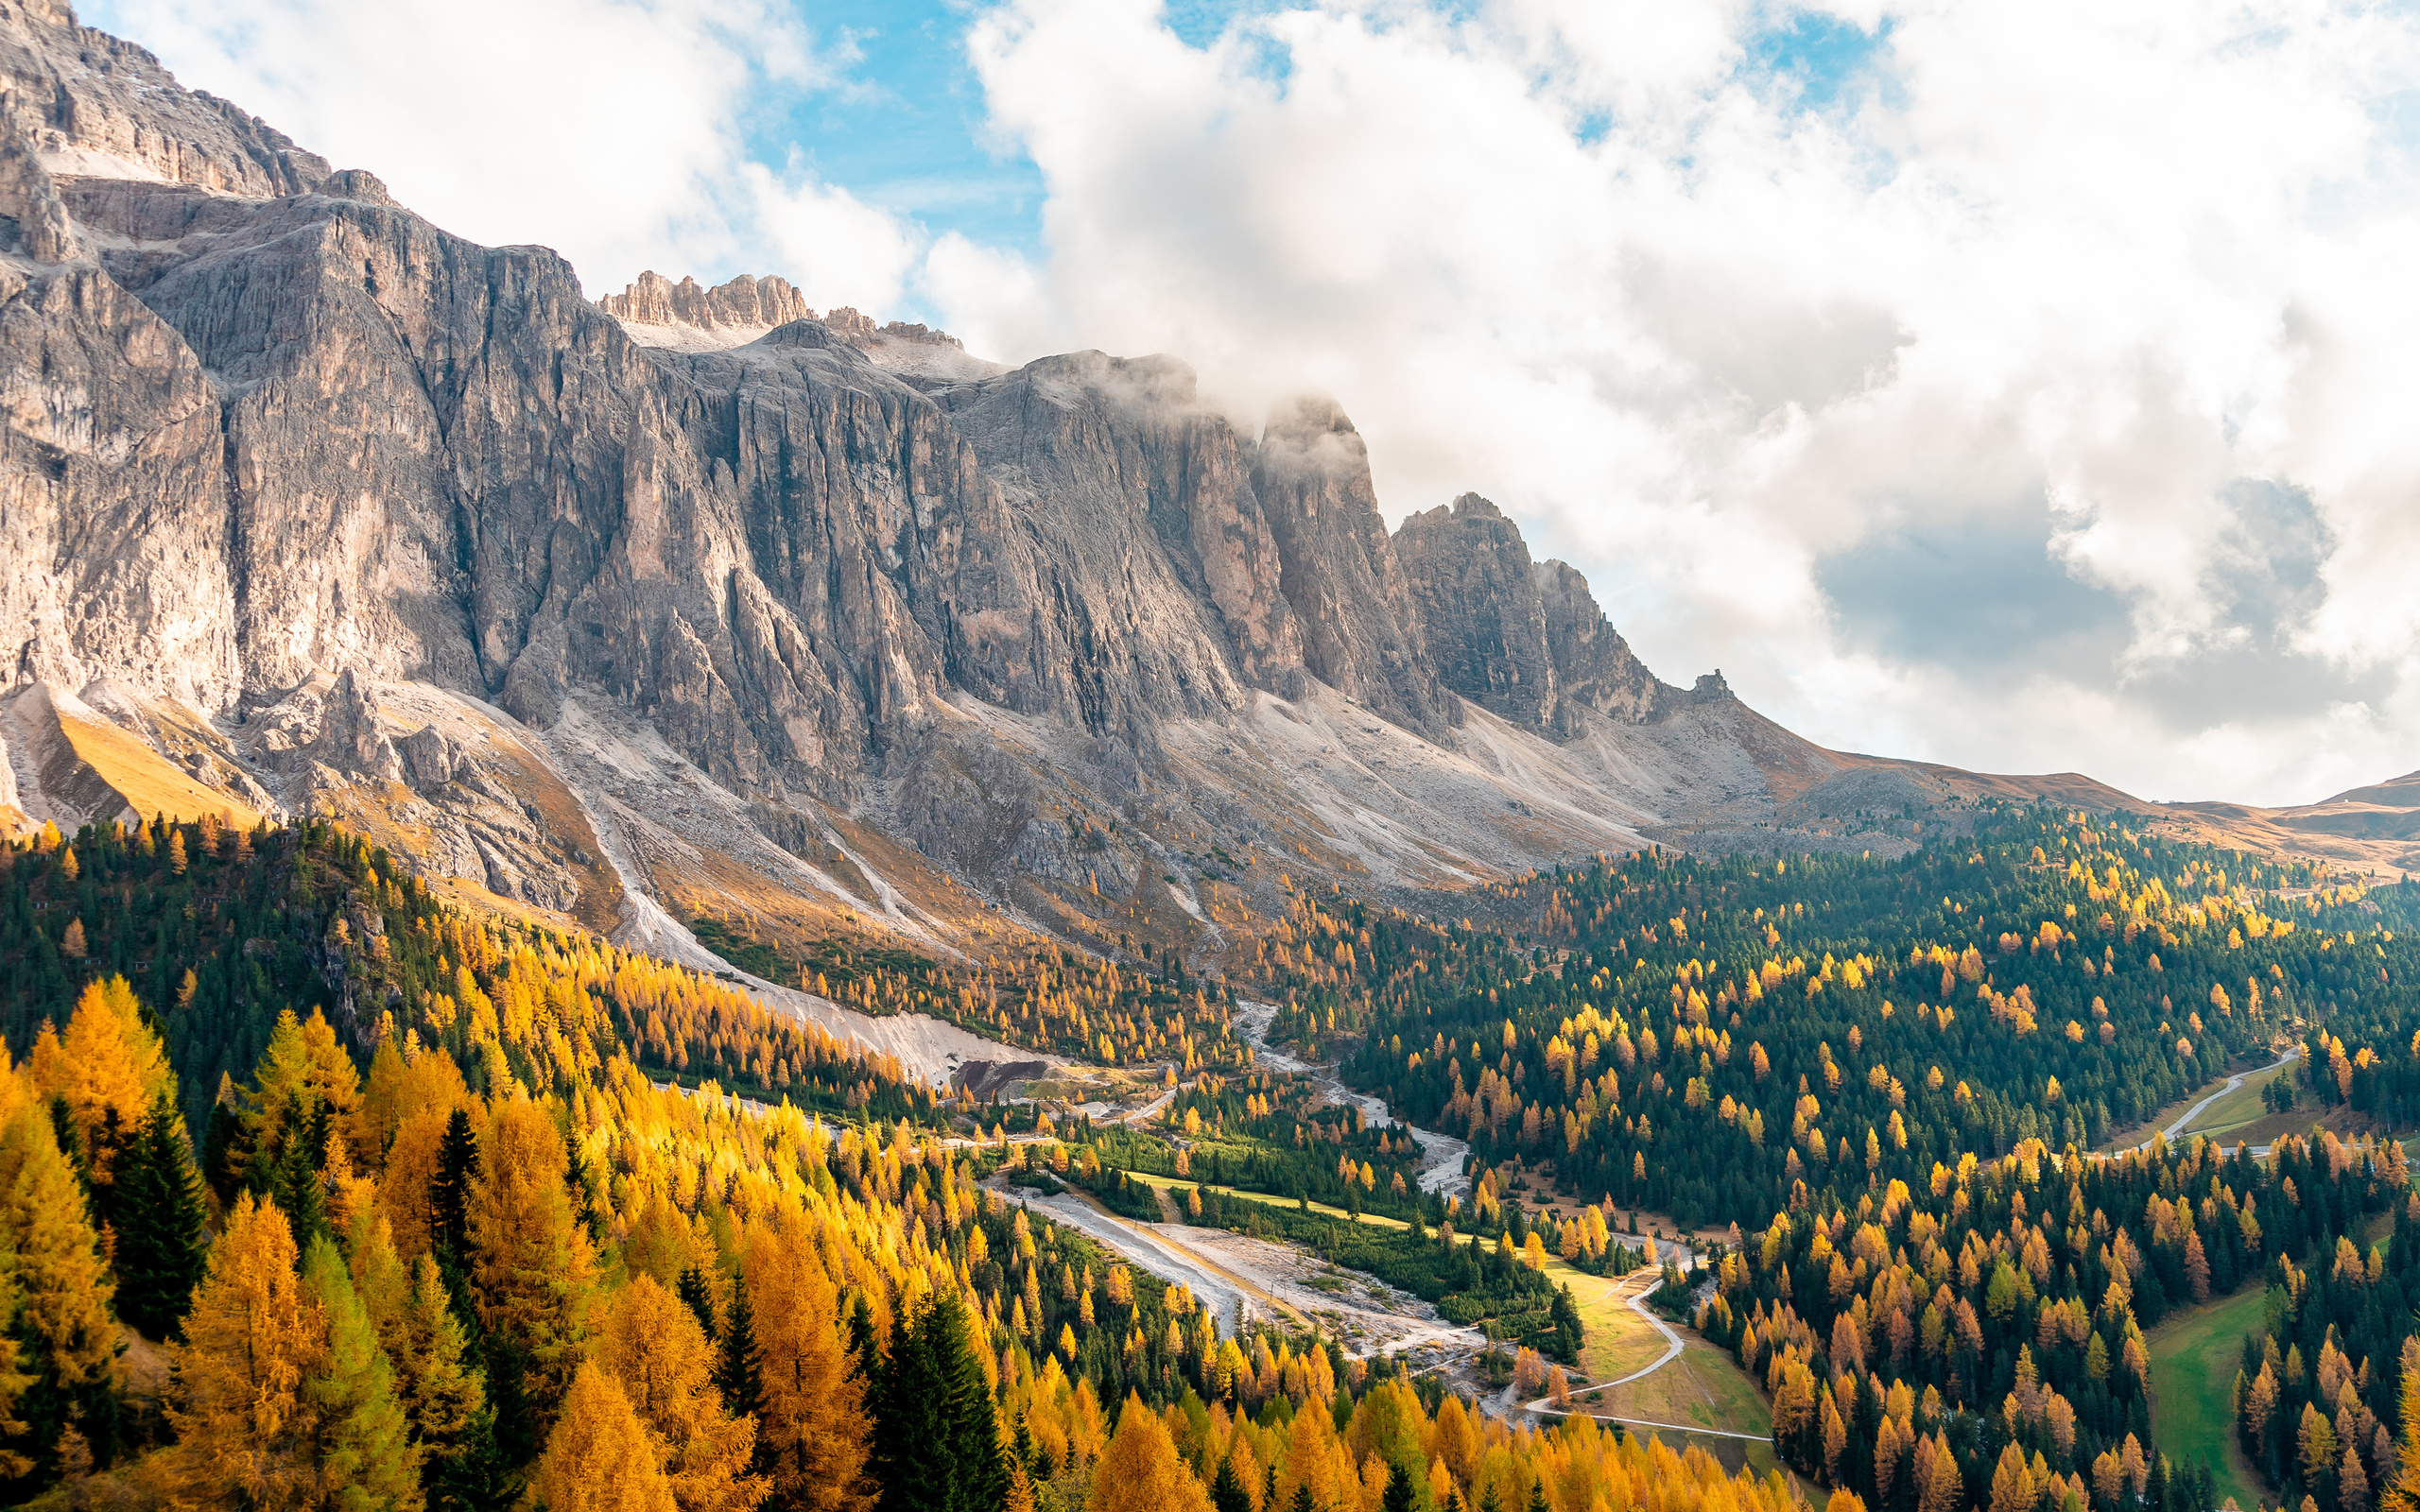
<point x="97" y="769"/>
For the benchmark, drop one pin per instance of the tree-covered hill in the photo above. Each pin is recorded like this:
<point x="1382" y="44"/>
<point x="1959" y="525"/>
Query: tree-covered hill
<point x="1706" y="1035"/>
<point x="456" y="1239"/>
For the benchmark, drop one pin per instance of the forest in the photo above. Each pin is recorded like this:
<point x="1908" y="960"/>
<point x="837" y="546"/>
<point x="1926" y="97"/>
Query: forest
<point x="1706" y="1037"/>
<point x="1892" y="1074"/>
<point x="2000" y="1309"/>
<point x="316" y="1190"/>
<point x="480" y="1217"/>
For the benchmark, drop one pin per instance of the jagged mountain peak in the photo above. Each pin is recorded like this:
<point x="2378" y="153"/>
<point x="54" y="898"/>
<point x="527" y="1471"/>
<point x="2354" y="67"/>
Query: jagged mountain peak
<point x="688" y="317"/>
<point x="693" y="600"/>
<point x="90" y="105"/>
<point x="750" y="304"/>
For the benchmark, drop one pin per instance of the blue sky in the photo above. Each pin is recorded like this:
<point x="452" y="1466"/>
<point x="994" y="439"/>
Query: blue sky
<point x="905" y="128"/>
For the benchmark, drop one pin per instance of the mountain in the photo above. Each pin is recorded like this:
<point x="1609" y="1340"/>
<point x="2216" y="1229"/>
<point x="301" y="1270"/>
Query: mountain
<point x="691" y="602"/>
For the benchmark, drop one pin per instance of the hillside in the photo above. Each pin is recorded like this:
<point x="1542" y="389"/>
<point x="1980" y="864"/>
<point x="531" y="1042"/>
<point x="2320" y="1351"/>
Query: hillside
<point x="683" y="904"/>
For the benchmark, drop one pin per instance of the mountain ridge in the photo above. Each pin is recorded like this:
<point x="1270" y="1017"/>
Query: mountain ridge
<point x="836" y="628"/>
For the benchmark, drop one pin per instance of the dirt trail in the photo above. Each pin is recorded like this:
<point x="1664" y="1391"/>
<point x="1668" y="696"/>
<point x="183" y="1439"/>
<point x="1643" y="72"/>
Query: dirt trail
<point x="1236" y="1298"/>
<point x="1440" y="1155"/>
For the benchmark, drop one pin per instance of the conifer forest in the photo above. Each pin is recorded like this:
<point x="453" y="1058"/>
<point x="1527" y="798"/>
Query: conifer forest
<point x="319" y="1191"/>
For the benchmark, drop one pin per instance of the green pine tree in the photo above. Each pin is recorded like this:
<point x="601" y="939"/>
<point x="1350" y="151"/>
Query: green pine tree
<point x="863" y="1359"/>
<point x="1565" y="1313"/>
<point x="1227" y="1493"/>
<point x="583" y="1201"/>
<point x="700" y="1299"/>
<point x="160" y="1226"/>
<point x="473" y="1479"/>
<point x="936" y="1441"/>
<point x="449" y="1192"/>
<point x="363" y="1451"/>
<point x="738" y="1375"/>
<point x="446" y="1400"/>
<point x="293" y="1182"/>
<point x="1398" y="1494"/>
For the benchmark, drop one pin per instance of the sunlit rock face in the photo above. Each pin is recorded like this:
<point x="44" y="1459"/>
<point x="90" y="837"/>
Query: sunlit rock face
<point x="694" y="596"/>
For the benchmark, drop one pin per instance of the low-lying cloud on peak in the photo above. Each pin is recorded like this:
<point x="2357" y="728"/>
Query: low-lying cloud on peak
<point x="2023" y="387"/>
<point x="1966" y="400"/>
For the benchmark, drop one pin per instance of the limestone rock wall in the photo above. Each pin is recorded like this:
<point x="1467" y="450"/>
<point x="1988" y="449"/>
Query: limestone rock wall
<point x="279" y="451"/>
<point x="96" y="105"/>
<point x="1470" y="575"/>
<point x="1362" y="633"/>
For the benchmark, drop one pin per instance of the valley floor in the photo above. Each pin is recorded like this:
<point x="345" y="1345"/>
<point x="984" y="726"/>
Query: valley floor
<point x="2195" y="1355"/>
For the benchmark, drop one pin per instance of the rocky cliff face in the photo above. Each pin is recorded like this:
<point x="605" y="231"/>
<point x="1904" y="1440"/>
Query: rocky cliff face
<point x="753" y="305"/>
<point x="1471" y="579"/>
<point x="694" y="599"/>
<point x="1362" y="633"/>
<point x="1525" y="639"/>
<point x="88" y="103"/>
<point x="1593" y="667"/>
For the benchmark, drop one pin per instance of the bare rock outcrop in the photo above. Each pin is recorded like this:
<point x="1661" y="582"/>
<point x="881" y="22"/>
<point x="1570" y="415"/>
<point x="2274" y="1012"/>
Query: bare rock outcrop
<point x="753" y="303"/>
<point x="1153" y="554"/>
<point x="1524" y="639"/>
<point x="351" y="737"/>
<point x="1361" y="629"/>
<point x="1472" y="582"/>
<point x="114" y="513"/>
<point x="429" y="759"/>
<point x="1595" y="668"/>
<point x="94" y="105"/>
<point x="27" y="196"/>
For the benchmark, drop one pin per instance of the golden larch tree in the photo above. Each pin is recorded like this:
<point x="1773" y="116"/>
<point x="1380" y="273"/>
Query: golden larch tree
<point x="1140" y="1470"/>
<point x="815" y="1427"/>
<point x="653" y="1346"/>
<point x="304" y="1065"/>
<point x="600" y="1457"/>
<point x="531" y="1265"/>
<point x="254" y="1335"/>
<point x="65" y="1314"/>
<point x="108" y="1067"/>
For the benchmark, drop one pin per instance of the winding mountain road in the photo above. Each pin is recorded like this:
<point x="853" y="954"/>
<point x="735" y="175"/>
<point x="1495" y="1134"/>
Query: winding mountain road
<point x="2185" y="1119"/>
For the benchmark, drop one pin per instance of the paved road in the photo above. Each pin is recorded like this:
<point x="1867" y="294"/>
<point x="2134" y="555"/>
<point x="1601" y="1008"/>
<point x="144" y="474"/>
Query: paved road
<point x="1674" y="1344"/>
<point x="2184" y="1119"/>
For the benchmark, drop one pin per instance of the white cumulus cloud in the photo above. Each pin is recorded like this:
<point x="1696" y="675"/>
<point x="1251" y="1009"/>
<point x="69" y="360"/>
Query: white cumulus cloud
<point x="615" y="131"/>
<point x="2036" y="402"/>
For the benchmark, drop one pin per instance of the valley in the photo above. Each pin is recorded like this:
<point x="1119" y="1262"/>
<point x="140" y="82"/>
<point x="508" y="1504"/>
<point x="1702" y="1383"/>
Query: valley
<point x="674" y="902"/>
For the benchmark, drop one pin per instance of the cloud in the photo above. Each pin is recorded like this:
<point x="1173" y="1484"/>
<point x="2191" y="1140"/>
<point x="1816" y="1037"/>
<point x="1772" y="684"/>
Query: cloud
<point x="2025" y="387"/>
<point x="615" y="131"/>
